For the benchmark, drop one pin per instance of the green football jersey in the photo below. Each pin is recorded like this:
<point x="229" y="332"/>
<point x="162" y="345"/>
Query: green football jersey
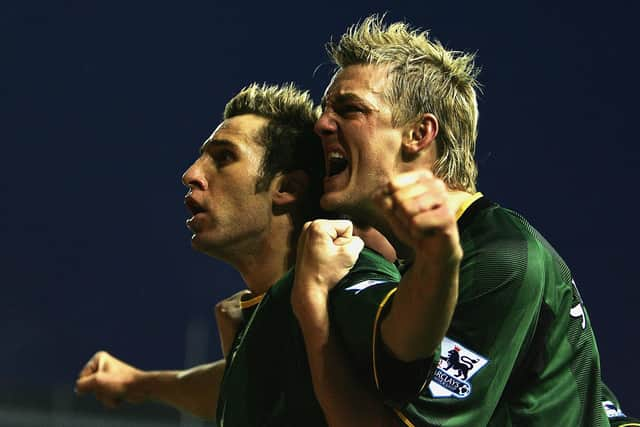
<point x="267" y="380"/>
<point x="520" y="350"/>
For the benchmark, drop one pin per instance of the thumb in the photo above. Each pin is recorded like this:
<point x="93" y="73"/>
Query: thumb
<point x="85" y="384"/>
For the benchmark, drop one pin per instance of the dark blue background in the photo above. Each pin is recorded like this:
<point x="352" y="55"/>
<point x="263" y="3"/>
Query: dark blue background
<point x="104" y="104"/>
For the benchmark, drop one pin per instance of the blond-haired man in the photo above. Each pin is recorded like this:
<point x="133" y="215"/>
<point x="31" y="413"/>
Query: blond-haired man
<point x="399" y="128"/>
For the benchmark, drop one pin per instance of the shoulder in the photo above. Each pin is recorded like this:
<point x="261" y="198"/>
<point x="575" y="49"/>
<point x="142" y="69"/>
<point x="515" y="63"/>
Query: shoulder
<point x="502" y="249"/>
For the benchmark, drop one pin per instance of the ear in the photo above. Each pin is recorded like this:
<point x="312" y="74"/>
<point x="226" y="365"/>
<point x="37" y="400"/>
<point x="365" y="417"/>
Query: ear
<point x="289" y="187"/>
<point x="421" y="135"/>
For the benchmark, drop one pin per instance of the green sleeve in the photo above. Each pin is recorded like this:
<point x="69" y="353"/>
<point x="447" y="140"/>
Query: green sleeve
<point x="358" y="305"/>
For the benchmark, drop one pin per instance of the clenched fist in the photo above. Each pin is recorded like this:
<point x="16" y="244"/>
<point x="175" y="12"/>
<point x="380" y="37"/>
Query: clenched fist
<point x="415" y="206"/>
<point x="327" y="249"/>
<point x="110" y="379"/>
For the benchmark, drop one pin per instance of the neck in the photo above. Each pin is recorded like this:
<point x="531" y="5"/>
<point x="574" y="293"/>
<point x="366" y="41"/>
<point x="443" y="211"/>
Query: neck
<point x="268" y="259"/>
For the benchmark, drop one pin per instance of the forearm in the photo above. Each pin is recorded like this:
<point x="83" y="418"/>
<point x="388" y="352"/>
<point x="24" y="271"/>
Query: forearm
<point x="343" y="400"/>
<point x="193" y="390"/>
<point x="421" y="310"/>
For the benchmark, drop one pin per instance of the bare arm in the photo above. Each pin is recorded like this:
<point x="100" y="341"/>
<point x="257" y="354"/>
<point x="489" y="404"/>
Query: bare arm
<point x="326" y="252"/>
<point x="113" y="381"/>
<point x="416" y="207"/>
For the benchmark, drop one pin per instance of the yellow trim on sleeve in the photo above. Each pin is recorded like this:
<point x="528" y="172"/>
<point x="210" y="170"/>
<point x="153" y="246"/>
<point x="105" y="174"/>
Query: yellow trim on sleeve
<point x="375" y="333"/>
<point x="251" y="302"/>
<point x="403" y="418"/>
<point x="629" y="425"/>
<point x="463" y="207"/>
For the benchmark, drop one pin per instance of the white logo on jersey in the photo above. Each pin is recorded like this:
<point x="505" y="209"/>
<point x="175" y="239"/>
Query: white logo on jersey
<point x="578" y="312"/>
<point x="456" y="367"/>
<point x="612" y="410"/>
<point x="359" y="287"/>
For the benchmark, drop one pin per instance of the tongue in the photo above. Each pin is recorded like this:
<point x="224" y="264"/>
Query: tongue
<point x="337" y="165"/>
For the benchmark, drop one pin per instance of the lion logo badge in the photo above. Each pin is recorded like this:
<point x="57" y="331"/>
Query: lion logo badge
<point x="455" y="369"/>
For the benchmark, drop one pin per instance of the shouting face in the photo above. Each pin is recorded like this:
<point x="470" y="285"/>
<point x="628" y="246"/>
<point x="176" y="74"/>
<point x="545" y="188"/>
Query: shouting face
<point x="361" y="145"/>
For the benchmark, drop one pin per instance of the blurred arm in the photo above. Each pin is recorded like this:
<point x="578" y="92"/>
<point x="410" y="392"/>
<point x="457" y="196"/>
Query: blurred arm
<point x="113" y="381"/>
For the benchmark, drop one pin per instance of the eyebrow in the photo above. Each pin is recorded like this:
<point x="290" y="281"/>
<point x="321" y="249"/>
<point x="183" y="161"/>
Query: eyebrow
<point x="216" y="143"/>
<point x="343" y="98"/>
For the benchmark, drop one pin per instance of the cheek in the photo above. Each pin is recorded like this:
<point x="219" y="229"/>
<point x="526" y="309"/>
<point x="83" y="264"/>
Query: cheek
<point x="374" y="151"/>
<point x="248" y="204"/>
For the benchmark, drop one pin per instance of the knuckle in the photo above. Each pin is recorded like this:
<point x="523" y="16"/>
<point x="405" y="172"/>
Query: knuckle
<point x="305" y="227"/>
<point x="315" y="229"/>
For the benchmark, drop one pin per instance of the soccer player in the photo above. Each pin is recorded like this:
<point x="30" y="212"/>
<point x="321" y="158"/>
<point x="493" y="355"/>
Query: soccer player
<point x="252" y="187"/>
<point x="255" y="182"/>
<point x="399" y="127"/>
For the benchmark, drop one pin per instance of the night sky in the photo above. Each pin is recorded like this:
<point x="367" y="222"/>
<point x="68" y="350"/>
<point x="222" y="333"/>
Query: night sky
<point x="103" y="105"/>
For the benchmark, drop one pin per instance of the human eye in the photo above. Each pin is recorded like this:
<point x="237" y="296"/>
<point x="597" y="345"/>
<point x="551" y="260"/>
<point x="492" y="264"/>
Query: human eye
<point x="223" y="157"/>
<point x="347" y="109"/>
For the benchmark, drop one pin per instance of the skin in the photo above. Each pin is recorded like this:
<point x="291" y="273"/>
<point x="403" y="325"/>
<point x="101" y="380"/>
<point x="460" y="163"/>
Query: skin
<point x="357" y="123"/>
<point x="221" y="182"/>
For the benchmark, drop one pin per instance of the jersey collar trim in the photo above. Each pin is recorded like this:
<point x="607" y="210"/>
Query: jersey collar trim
<point x="472" y="209"/>
<point x="250" y="302"/>
<point x="463" y="207"/>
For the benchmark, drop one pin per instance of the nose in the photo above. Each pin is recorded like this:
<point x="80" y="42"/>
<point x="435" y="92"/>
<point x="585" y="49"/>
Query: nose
<point x="193" y="177"/>
<point x="326" y="125"/>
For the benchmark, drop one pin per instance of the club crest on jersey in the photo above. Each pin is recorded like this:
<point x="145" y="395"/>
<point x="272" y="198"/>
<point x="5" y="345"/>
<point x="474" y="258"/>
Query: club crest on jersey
<point x="456" y="367"/>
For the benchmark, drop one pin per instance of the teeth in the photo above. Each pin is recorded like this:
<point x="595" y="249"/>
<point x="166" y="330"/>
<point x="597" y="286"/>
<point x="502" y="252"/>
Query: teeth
<point x="336" y="163"/>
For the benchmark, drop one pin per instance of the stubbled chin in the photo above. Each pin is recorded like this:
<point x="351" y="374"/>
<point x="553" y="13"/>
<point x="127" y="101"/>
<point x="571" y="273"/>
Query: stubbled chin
<point x="336" y="182"/>
<point x="334" y="200"/>
<point x="328" y="202"/>
<point x="334" y="186"/>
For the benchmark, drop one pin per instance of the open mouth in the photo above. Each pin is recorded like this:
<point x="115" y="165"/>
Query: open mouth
<point x="193" y="206"/>
<point x="336" y="163"/>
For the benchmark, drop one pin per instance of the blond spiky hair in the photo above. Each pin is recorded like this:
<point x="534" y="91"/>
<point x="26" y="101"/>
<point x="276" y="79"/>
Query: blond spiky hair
<point x="425" y="77"/>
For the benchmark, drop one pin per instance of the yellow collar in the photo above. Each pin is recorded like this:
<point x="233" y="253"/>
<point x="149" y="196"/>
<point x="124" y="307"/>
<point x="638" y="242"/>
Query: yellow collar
<point x="251" y="302"/>
<point x="465" y="205"/>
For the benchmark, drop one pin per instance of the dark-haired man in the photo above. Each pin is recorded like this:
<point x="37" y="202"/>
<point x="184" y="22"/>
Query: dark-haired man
<point x="256" y="180"/>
